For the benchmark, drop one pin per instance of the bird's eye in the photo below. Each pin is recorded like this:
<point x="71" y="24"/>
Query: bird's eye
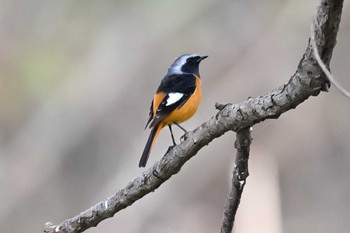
<point x="192" y="59"/>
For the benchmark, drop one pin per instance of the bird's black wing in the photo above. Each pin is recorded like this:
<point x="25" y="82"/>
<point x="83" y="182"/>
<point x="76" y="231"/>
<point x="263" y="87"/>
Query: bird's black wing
<point x="177" y="89"/>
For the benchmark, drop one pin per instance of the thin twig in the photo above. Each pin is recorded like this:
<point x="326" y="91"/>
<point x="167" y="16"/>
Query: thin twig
<point x="240" y="174"/>
<point x="323" y="66"/>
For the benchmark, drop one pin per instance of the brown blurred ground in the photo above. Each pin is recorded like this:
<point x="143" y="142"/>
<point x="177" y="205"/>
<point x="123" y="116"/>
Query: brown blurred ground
<point x="76" y="79"/>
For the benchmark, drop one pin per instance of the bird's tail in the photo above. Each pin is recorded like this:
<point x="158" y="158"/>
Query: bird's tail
<point x="151" y="139"/>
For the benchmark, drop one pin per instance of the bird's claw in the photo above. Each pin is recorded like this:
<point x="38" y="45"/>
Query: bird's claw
<point x="184" y="137"/>
<point x="170" y="148"/>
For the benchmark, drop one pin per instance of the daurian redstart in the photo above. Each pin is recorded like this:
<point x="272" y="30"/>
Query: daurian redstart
<point x="176" y="100"/>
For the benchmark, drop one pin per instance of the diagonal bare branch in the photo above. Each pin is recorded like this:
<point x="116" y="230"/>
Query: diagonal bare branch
<point x="308" y="80"/>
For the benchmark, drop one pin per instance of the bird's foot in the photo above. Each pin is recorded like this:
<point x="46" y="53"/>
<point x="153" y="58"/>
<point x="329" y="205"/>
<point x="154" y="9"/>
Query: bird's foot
<point x="184" y="137"/>
<point x="170" y="148"/>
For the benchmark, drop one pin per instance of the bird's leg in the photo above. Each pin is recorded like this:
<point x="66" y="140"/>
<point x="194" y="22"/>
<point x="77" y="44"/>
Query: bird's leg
<point x="181" y="127"/>
<point x="183" y="137"/>
<point x="172" y="136"/>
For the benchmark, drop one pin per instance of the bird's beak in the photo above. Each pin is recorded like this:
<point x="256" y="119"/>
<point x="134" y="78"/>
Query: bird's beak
<point x="201" y="58"/>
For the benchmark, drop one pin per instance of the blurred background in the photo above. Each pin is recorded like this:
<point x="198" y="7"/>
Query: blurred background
<point x="76" y="82"/>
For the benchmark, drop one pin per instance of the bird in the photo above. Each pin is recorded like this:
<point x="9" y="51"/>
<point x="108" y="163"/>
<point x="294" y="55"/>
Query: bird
<point x="176" y="100"/>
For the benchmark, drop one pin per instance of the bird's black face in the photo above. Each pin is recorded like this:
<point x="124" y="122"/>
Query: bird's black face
<point x="192" y="65"/>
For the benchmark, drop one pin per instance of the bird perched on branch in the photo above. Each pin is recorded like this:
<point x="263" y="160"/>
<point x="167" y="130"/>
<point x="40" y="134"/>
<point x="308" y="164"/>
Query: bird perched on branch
<point x="176" y="100"/>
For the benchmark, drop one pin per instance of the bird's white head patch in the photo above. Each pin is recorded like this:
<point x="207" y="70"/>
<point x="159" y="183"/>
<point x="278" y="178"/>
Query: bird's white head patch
<point x="175" y="68"/>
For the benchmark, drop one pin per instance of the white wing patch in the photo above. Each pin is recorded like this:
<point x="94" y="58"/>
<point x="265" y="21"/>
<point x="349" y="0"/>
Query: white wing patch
<point x="173" y="98"/>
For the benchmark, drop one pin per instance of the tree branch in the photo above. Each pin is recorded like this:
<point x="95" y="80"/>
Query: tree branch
<point x="240" y="174"/>
<point x="307" y="81"/>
